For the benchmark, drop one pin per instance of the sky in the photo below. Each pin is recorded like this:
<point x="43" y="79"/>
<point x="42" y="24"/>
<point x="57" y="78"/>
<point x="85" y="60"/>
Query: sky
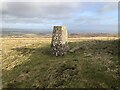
<point x="92" y="17"/>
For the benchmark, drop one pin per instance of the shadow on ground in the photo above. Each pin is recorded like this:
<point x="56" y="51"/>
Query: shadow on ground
<point x="92" y="65"/>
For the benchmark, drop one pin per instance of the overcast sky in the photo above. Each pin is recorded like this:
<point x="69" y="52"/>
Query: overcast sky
<point x="76" y="16"/>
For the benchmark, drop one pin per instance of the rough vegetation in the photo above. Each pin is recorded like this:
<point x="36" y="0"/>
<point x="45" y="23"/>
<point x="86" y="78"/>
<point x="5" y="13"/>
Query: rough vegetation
<point x="89" y="64"/>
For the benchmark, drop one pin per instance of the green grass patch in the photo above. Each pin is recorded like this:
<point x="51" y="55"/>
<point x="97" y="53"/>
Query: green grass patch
<point x="94" y="65"/>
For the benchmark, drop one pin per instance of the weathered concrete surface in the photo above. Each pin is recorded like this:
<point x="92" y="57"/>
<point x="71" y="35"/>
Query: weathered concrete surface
<point x="59" y="44"/>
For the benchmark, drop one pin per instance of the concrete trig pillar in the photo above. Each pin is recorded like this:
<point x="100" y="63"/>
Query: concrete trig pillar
<point x="59" y="44"/>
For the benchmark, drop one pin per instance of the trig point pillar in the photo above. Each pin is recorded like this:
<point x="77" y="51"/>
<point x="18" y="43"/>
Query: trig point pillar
<point x="59" y="44"/>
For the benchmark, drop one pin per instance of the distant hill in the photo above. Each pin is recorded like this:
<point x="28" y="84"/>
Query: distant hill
<point x="22" y="32"/>
<point x="36" y="33"/>
<point x="92" y="35"/>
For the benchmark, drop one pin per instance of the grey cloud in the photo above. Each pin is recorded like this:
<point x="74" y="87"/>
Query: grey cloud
<point x="29" y="9"/>
<point x="37" y="12"/>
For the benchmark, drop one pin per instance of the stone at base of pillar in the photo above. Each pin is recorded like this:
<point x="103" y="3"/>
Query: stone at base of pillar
<point x="59" y="50"/>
